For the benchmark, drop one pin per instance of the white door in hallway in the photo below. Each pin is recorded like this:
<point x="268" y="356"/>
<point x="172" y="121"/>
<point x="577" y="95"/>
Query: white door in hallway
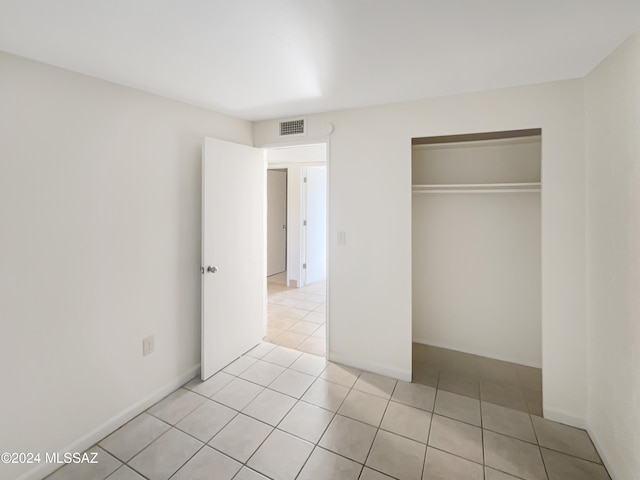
<point x="316" y="229"/>
<point x="276" y="221"/>
<point x="233" y="252"/>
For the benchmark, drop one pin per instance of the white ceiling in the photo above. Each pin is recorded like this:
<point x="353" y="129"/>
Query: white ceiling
<point x="261" y="59"/>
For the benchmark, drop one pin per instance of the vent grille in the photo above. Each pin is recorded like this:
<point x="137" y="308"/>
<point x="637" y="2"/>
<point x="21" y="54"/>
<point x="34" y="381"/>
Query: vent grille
<point x="292" y="127"/>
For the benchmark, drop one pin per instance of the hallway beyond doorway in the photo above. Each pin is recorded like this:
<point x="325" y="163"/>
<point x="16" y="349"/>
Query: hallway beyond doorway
<point x="297" y="316"/>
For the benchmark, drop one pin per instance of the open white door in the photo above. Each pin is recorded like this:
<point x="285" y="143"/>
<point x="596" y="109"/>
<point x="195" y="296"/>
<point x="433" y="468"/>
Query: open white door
<point x="316" y="231"/>
<point x="276" y="221"/>
<point x="233" y="253"/>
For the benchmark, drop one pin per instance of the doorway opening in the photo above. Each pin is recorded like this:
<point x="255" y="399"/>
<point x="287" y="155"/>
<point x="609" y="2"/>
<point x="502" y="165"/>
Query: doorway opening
<point x="297" y="248"/>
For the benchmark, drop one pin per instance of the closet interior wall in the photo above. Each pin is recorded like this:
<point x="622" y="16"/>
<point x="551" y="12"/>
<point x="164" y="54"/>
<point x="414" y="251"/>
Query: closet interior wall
<point x="476" y="247"/>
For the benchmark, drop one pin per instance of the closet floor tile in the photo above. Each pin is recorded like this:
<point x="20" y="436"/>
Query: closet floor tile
<point x="458" y="407"/>
<point x="460" y="383"/>
<point x="512" y="456"/>
<point x="565" y="439"/>
<point x="507" y="421"/>
<point x="561" y="466"/>
<point x="415" y="395"/>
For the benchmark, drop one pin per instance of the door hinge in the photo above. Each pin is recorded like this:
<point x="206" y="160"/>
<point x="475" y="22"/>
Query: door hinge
<point x="305" y="180"/>
<point x="304" y="223"/>
<point x="304" y="265"/>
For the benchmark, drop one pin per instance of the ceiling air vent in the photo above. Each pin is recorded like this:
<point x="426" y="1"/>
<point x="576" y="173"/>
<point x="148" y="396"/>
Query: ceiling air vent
<point x="292" y="127"/>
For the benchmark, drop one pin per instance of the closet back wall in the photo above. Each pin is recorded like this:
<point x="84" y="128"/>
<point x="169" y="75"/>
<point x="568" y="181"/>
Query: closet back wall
<point x="476" y="256"/>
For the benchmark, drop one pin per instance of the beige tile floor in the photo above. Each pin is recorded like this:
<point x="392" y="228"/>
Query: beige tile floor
<point x="502" y="383"/>
<point x="281" y="414"/>
<point x="297" y="316"/>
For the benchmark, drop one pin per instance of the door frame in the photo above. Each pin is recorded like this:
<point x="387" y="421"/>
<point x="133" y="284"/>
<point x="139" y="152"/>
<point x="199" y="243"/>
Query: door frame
<point x="326" y="141"/>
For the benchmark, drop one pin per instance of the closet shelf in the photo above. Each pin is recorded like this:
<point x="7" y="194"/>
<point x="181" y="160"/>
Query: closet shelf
<point x="477" y="188"/>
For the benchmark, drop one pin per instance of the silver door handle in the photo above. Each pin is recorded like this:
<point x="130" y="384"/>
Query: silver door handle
<point x="212" y="269"/>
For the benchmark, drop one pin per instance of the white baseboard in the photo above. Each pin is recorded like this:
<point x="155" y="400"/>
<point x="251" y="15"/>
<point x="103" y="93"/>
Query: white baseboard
<point x="605" y="459"/>
<point x="115" y="422"/>
<point x="477" y="352"/>
<point x="398" y="373"/>
<point x="564" y="417"/>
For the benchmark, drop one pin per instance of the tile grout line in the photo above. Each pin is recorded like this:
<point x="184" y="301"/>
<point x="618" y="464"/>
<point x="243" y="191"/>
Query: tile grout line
<point x="175" y="427"/>
<point x="163" y="434"/>
<point x="188" y="460"/>
<point x="484" y="455"/>
<point x="275" y="428"/>
<point x="345" y="416"/>
<point x="125" y="465"/>
<point x="378" y="428"/>
<point x="460" y="457"/>
<point x="535" y="433"/>
<point x="433" y="412"/>
<point x="207" y="442"/>
<point x="335" y="414"/>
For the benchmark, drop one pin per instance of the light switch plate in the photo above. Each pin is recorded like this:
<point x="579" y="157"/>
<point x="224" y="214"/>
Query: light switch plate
<point x="148" y="345"/>
<point x="342" y="238"/>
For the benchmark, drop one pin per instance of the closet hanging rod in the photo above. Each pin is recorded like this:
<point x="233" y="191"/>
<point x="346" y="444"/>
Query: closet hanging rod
<point x="477" y="185"/>
<point x="478" y="188"/>
<point x="495" y="190"/>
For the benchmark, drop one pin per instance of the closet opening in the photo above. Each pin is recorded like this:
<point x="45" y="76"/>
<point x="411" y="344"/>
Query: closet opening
<point x="476" y="263"/>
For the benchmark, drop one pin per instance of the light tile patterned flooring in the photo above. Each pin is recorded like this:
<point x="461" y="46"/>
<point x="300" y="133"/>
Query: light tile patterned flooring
<point x="281" y="414"/>
<point x="297" y="316"/>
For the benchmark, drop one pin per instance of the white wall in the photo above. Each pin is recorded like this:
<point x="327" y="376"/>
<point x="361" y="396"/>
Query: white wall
<point x="476" y="274"/>
<point x="100" y="247"/>
<point x="297" y="155"/>
<point x="315" y="203"/>
<point x="370" y="200"/>
<point x="613" y="257"/>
